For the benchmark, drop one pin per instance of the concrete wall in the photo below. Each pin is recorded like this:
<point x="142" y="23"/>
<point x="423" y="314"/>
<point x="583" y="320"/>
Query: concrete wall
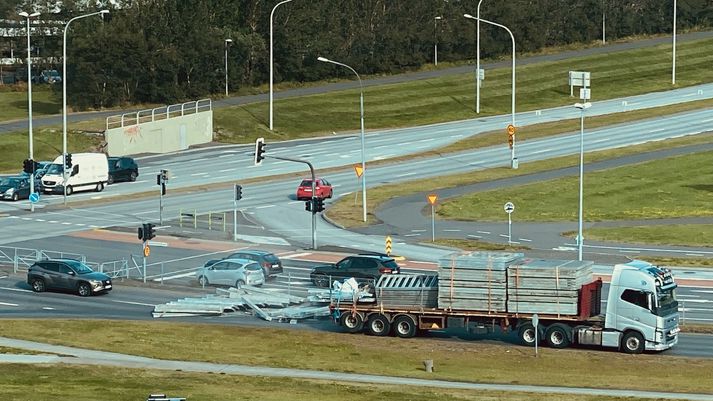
<point x="162" y="136"/>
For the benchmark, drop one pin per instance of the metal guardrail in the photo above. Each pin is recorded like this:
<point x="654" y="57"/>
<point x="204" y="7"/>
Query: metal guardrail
<point x="158" y="113"/>
<point x="22" y="258"/>
<point x="211" y="220"/>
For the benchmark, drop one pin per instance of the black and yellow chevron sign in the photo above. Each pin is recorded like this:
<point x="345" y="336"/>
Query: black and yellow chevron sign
<point x="388" y="245"/>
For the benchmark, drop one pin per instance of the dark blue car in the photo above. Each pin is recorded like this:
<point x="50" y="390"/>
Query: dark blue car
<point x="15" y="188"/>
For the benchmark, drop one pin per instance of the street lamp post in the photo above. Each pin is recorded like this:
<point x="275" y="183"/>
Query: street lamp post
<point x="29" y="101"/>
<point x="477" y="61"/>
<point x="272" y="13"/>
<point x="227" y="44"/>
<point x="435" y="41"/>
<point x="580" y="238"/>
<point x="673" y="65"/>
<point x="363" y="157"/>
<point x="512" y="150"/>
<point x="64" y="97"/>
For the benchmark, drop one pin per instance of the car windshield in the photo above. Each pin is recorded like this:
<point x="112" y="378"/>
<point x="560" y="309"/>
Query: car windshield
<point x="271" y="258"/>
<point x="9" y="181"/>
<point x="55" y="169"/>
<point x="79" y="267"/>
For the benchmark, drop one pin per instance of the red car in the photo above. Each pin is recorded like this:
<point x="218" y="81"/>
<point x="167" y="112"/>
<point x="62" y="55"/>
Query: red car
<point x="322" y="189"/>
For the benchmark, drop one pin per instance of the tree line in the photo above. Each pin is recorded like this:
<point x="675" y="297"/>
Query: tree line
<point x="169" y="51"/>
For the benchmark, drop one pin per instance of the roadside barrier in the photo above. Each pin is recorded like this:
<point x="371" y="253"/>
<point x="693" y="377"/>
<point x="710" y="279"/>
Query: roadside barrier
<point x="209" y="220"/>
<point x="22" y="258"/>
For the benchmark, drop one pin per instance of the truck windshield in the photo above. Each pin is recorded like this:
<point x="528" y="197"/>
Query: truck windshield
<point x="54" y="169"/>
<point x="667" y="302"/>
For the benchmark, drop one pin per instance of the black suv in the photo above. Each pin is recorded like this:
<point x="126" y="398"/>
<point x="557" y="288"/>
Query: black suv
<point x="67" y="274"/>
<point x="122" y="169"/>
<point x="271" y="264"/>
<point x="363" y="267"/>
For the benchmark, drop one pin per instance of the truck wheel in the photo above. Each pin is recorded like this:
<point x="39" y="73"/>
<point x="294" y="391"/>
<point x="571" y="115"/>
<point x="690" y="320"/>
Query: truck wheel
<point x="632" y="343"/>
<point x="526" y="333"/>
<point x="558" y="335"/>
<point x="378" y="325"/>
<point x="69" y="190"/>
<point x="404" y="327"/>
<point x="100" y="187"/>
<point x="353" y="322"/>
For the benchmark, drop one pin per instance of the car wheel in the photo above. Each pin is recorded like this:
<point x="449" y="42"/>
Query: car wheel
<point x="100" y="187"/>
<point x="239" y="284"/>
<point x="38" y="285"/>
<point x="110" y="179"/>
<point x="331" y="192"/>
<point x="203" y="281"/>
<point x="15" y="197"/>
<point x="69" y="190"/>
<point x="320" y="280"/>
<point x="132" y="176"/>
<point x="84" y="290"/>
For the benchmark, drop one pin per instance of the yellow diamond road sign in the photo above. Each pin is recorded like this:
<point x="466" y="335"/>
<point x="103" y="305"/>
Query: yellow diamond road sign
<point x="358" y="170"/>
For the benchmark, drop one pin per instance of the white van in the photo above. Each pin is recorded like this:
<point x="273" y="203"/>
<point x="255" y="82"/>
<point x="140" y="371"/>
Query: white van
<point x="90" y="171"/>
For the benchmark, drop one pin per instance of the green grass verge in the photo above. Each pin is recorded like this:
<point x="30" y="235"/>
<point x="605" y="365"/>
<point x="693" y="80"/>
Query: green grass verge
<point x="682" y="234"/>
<point x="318" y="350"/>
<point x="13" y="104"/>
<point x="451" y="97"/>
<point x="81" y="383"/>
<point x="47" y="146"/>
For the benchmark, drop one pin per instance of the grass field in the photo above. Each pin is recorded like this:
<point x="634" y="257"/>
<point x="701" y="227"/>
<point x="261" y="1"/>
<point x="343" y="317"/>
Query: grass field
<point x="318" y="350"/>
<point x="13" y="104"/>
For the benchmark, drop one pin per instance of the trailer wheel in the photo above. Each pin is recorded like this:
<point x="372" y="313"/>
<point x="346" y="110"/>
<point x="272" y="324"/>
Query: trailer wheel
<point x="632" y="343"/>
<point x="378" y="325"/>
<point x="404" y="326"/>
<point x="353" y="322"/>
<point x="558" y="336"/>
<point x="526" y="333"/>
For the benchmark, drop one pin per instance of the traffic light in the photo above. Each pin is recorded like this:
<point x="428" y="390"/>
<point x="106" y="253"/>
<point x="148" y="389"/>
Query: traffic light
<point x="146" y="232"/>
<point x="318" y="205"/>
<point x="68" y="161"/>
<point x="28" y="166"/>
<point x="149" y="231"/>
<point x="238" y="192"/>
<point x="308" y="205"/>
<point x="259" y="151"/>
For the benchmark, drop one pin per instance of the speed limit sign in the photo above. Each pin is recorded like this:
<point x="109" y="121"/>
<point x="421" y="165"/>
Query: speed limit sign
<point x="509" y="207"/>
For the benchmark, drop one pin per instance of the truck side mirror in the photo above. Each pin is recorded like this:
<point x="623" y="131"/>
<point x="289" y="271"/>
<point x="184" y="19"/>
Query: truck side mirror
<point x="75" y="169"/>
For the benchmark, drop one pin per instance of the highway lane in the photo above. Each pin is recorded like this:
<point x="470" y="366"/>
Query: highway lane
<point x="226" y="163"/>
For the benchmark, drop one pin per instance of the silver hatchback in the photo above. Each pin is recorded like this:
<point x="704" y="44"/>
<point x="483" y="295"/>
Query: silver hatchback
<point x="232" y="272"/>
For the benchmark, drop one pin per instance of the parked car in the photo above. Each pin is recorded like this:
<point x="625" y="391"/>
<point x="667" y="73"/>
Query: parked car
<point x="322" y="189"/>
<point x="67" y="274"/>
<point x="50" y="77"/>
<point x="270" y="263"/>
<point x="363" y="267"/>
<point x="233" y="272"/>
<point x="15" y="188"/>
<point x="122" y="169"/>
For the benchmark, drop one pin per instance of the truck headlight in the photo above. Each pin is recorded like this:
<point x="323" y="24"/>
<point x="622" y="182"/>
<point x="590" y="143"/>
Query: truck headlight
<point x="659" y="336"/>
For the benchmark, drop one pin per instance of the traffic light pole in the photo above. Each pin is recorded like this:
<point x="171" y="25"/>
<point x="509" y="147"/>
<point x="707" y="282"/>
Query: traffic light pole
<point x="314" y="215"/>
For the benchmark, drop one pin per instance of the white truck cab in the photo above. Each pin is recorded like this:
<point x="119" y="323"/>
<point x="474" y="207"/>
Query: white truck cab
<point x="89" y="171"/>
<point x="642" y="311"/>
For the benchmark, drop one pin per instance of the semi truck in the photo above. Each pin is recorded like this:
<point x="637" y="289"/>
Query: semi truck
<point x="563" y="297"/>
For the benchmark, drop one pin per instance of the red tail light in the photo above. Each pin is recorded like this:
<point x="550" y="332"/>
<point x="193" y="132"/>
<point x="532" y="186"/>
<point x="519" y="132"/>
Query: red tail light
<point x="266" y="264"/>
<point x="385" y="270"/>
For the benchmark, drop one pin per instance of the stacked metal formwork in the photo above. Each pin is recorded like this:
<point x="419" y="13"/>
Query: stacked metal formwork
<point x="547" y="286"/>
<point x="475" y="281"/>
<point x="407" y="291"/>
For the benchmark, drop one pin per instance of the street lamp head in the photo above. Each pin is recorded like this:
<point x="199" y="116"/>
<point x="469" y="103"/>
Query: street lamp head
<point x="228" y="40"/>
<point x="439" y="17"/>
<point x="469" y="16"/>
<point x="26" y="15"/>
<point x="102" y="12"/>
<point x="322" y="59"/>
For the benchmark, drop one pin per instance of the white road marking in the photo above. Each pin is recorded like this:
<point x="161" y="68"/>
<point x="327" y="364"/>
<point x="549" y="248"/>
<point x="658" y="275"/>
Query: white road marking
<point x="656" y="130"/>
<point x="2" y="277"/>
<point x="197" y="174"/>
<point x="483" y="232"/>
<point x="297" y="255"/>
<point x="451" y="231"/>
<point x="524" y="239"/>
<point x="14" y="289"/>
<point x="40" y="220"/>
<point x="53" y="221"/>
<point x="228" y="169"/>
<point x="418" y="231"/>
<point x="264" y="207"/>
<point x="8" y="304"/>
<point x="707" y="120"/>
<point x="695" y="254"/>
<point x="26" y="218"/>
<point x="407" y="174"/>
<point x="474" y="236"/>
<point x="65" y="223"/>
<point x="48" y="308"/>
<point x="703" y="291"/>
<point x="412" y="235"/>
<point x="132" y="303"/>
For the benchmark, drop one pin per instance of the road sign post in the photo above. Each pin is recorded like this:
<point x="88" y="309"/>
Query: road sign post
<point x="146" y="251"/>
<point x="237" y="196"/>
<point x="509" y="208"/>
<point x="432" y="199"/>
<point x="359" y="171"/>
